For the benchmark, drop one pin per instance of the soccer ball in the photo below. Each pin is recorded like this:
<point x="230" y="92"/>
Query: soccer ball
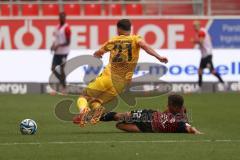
<point x="28" y="127"/>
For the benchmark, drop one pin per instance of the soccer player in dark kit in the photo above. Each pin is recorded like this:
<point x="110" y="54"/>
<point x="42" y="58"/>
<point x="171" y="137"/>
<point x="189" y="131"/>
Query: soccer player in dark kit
<point x="173" y="120"/>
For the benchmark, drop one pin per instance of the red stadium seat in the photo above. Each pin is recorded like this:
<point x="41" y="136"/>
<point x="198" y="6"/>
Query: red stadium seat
<point x="50" y="9"/>
<point x="30" y="9"/>
<point x="72" y="9"/>
<point x="177" y="9"/>
<point x="6" y="10"/>
<point x="225" y="7"/>
<point x="134" y="9"/>
<point x="92" y="9"/>
<point x="151" y="9"/>
<point x="15" y="9"/>
<point x="113" y="9"/>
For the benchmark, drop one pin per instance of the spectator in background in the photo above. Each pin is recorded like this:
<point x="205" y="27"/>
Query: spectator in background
<point x="203" y="40"/>
<point x="60" y="49"/>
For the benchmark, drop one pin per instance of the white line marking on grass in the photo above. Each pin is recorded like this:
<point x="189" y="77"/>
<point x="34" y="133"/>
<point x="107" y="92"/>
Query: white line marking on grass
<point x="107" y="142"/>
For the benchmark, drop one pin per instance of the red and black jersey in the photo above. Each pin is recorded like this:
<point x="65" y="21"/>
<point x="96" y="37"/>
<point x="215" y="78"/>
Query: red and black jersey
<point x="167" y="122"/>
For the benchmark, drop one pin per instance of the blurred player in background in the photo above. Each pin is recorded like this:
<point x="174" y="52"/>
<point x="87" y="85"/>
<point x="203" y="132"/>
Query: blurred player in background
<point x="124" y="53"/>
<point x="60" y="49"/>
<point x="203" y="39"/>
<point x="173" y="120"/>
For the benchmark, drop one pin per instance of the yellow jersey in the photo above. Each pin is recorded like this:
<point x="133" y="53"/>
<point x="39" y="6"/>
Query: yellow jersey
<point x="124" y="54"/>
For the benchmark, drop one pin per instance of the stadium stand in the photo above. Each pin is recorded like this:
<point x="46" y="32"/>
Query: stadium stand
<point x="113" y="9"/>
<point x="92" y="9"/>
<point x="119" y="7"/>
<point x="225" y="7"/>
<point x="72" y="9"/>
<point x="30" y="9"/>
<point x="134" y="9"/>
<point x="50" y="9"/>
<point x="9" y="9"/>
<point x="177" y="9"/>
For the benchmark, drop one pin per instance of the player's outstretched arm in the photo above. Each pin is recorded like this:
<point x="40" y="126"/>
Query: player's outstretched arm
<point x="192" y="130"/>
<point x="151" y="51"/>
<point x="99" y="53"/>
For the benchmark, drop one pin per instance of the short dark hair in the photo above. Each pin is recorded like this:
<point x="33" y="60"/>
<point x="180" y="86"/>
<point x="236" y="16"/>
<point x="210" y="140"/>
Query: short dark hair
<point x="175" y="100"/>
<point x="124" y="24"/>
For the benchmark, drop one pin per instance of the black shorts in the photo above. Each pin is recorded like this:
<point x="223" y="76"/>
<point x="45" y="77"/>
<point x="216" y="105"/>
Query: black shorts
<point x="59" y="59"/>
<point x="206" y="63"/>
<point x="142" y="119"/>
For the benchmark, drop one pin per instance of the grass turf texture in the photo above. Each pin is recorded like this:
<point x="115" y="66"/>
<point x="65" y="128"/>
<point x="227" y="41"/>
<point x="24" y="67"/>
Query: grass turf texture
<point x="217" y="115"/>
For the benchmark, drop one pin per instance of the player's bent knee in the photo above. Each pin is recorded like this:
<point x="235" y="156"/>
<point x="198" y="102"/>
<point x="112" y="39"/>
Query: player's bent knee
<point x="200" y="72"/>
<point x="213" y="72"/>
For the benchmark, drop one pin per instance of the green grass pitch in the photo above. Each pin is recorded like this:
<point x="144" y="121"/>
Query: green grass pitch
<point x="217" y="115"/>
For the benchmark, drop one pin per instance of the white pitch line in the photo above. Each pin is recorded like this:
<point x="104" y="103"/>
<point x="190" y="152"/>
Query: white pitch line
<point x="107" y="142"/>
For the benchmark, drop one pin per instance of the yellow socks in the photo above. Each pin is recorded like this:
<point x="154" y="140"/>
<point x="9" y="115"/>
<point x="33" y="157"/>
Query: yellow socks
<point x="98" y="111"/>
<point x="82" y="103"/>
<point x="96" y="105"/>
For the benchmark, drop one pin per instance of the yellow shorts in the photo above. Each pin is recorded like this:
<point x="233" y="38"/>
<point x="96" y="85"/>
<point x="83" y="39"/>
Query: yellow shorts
<point x="104" y="89"/>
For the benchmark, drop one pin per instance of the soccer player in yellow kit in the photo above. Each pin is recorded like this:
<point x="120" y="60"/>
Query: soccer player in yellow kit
<point x="124" y="53"/>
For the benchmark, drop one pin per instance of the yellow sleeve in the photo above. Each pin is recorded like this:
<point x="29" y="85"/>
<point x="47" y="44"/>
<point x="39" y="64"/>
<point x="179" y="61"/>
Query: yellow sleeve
<point x="108" y="46"/>
<point x="137" y="38"/>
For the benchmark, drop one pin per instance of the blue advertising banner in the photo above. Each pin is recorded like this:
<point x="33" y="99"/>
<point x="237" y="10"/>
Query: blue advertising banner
<point x="225" y="33"/>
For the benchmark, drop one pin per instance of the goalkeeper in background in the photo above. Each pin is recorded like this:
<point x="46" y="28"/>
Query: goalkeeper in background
<point x="124" y="53"/>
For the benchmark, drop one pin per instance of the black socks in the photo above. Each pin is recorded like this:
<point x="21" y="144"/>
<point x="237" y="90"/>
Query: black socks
<point x="108" y="116"/>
